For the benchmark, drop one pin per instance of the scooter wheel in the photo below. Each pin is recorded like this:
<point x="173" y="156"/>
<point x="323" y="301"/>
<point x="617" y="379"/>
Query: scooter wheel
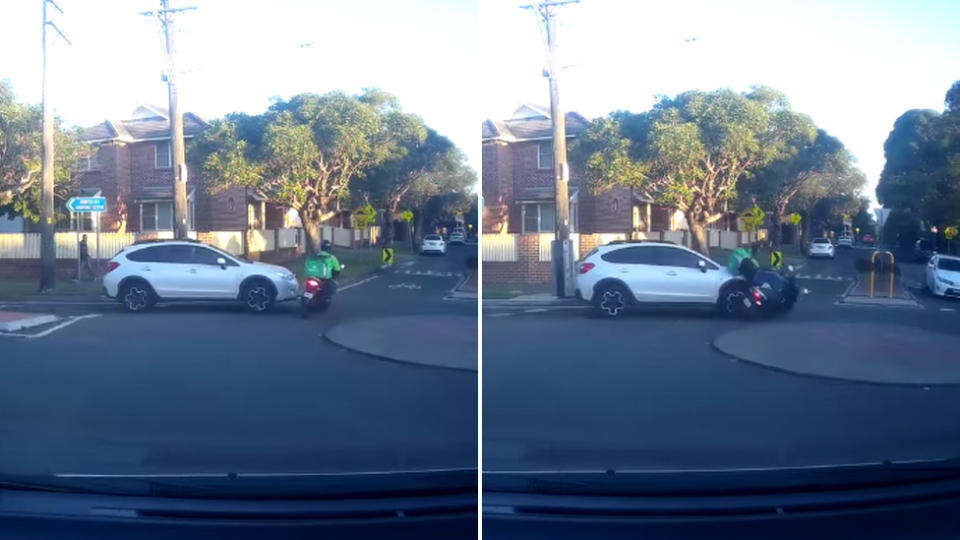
<point x="304" y="309"/>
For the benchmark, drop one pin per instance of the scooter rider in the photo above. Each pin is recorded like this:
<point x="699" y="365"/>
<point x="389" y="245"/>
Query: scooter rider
<point x="323" y="265"/>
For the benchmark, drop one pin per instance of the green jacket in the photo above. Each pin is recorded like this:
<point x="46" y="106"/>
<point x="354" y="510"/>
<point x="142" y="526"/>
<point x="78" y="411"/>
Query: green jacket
<point x="322" y="265"/>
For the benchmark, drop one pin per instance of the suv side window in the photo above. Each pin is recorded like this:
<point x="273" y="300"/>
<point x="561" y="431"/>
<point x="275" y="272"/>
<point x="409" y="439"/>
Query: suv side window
<point x="631" y="255"/>
<point x="202" y="255"/>
<point x="678" y="257"/>
<point x="178" y="254"/>
<point x="151" y="254"/>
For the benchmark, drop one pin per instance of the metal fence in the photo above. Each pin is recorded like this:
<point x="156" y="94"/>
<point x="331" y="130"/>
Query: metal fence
<point x="499" y="247"/>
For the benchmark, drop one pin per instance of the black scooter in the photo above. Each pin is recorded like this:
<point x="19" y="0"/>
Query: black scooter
<point x="771" y="292"/>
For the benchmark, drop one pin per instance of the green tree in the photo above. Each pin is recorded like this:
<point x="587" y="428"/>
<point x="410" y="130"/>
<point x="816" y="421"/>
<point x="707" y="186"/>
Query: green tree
<point x="809" y="156"/>
<point x="21" y="155"/>
<point x="689" y="151"/>
<point x="303" y="153"/>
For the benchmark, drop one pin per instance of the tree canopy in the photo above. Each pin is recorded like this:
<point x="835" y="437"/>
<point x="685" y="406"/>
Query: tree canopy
<point x="21" y="156"/>
<point x="693" y="150"/>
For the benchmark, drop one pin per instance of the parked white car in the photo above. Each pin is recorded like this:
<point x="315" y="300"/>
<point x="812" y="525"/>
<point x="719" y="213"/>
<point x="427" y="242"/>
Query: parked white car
<point x="145" y="273"/>
<point x="845" y="241"/>
<point x="433" y="243"/>
<point x="821" y="247"/>
<point x="458" y="236"/>
<point x="614" y="276"/>
<point x="943" y="275"/>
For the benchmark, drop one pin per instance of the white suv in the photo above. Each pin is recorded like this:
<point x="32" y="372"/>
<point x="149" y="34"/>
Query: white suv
<point x="144" y="273"/>
<point x="821" y="247"/>
<point x="614" y="276"/>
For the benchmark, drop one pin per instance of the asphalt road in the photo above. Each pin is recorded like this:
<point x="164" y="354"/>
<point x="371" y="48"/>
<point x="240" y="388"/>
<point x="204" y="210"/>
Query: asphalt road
<point x="566" y="391"/>
<point x="200" y="388"/>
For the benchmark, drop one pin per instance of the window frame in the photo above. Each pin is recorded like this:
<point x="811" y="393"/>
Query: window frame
<point x="540" y="165"/>
<point x="156" y="155"/>
<point x="523" y="218"/>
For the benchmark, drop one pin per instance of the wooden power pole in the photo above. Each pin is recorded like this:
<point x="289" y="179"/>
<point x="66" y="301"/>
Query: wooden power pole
<point x="177" y="152"/>
<point x="48" y="250"/>
<point x="561" y="246"/>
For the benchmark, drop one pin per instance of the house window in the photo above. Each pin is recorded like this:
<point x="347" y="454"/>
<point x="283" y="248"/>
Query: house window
<point x="162" y="155"/>
<point x="89" y="162"/>
<point x="545" y="155"/>
<point x="158" y="216"/>
<point x="539" y="218"/>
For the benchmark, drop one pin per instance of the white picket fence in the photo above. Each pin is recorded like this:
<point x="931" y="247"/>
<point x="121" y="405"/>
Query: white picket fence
<point x="27" y="245"/>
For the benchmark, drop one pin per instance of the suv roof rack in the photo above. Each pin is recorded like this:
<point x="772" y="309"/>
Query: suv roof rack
<point x="162" y="240"/>
<point x="614" y="242"/>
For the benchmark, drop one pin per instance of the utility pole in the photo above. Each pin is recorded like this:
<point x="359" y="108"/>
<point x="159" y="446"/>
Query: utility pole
<point x="561" y="248"/>
<point x="177" y="153"/>
<point x="48" y="250"/>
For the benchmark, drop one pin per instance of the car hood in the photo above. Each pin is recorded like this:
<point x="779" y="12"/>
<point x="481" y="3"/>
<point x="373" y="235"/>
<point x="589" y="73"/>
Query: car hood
<point x="952" y="275"/>
<point x="269" y="267"/>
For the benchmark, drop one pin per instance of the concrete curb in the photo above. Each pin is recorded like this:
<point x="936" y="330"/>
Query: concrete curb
<point x="512" y="302"/>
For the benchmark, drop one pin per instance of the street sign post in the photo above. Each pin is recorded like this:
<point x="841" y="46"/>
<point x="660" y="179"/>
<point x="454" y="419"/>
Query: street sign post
<point x="387" y="256"/>
<point x="88" y="205"/>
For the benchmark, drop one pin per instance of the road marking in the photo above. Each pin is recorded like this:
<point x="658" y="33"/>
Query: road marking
<point x="535" y="310"/>
<point x="408" y="263"/>
<point x="53" y="329"/>
<point x="499" y="314"/>
<point x="948" y="309"/>
<point x="405" y="285"/>
<point x="361" y="282"/>
<point x="428" y="273"/>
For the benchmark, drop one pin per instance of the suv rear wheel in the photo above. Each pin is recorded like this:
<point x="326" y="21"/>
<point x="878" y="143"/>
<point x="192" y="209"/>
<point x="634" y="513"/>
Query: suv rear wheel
<point x="137" y="296"/>
<point x="611" y="300"/>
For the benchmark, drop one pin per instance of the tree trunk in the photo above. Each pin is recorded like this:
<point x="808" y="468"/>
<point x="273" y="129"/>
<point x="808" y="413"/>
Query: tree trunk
<point x="311" y="228"/>
<point x="386" y="227"/>
<point x="698" y="235"/>
<point x="417" y="227"/>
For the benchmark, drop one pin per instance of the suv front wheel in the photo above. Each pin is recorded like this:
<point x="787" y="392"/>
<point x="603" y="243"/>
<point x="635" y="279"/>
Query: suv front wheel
<point x="257" y="296"/>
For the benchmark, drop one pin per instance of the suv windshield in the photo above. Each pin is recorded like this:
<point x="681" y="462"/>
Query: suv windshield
<point x="951" y="265"/>
<point x="821" y="241"/>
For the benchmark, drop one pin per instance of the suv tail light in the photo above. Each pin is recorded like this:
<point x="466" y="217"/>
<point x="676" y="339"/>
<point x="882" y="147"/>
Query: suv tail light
<point x="111" y="266"/>
<point x="586" y="267"/>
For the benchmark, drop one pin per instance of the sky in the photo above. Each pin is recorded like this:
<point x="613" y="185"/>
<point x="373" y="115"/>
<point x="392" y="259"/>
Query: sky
<point x="235" y="55"/>
<point x="853" y="66"/>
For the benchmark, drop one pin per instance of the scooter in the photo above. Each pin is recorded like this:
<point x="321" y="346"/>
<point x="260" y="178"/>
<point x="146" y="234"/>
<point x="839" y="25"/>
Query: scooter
<point x="317" y="294"/>
<point x="773" y="292"/>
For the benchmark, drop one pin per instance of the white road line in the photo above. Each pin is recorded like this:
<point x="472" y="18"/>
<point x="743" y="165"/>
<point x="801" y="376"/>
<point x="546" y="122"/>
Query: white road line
<point x="535" y="310"/>
<point x="361" y="282"/>
<point x="499" y="314"/>
<point x="53" y="329"/>
<point x="948" y="309"/>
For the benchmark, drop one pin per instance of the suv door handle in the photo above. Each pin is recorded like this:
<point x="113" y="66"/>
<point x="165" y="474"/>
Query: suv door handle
<point x="146" y="268"/>
<point x="671" y="273"/>
<point x="192" y="270"/>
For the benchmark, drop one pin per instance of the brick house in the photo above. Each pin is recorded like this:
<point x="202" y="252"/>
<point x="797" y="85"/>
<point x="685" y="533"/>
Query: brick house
<point x="130" y="166"/>
<point x="517" y="183"/>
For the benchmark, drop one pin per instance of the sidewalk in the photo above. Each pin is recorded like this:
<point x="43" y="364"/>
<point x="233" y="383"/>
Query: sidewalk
<point x="466" y="289"/>
<point x="532" y="300"/>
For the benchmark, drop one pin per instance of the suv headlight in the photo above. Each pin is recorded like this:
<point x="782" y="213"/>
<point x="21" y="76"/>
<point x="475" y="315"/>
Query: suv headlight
<point x="284" y="275"/>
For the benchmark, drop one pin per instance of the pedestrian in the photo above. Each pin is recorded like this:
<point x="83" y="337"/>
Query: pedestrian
<point x="84" y="254"/>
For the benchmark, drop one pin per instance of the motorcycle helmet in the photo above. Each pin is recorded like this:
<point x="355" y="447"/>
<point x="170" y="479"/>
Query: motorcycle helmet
<point x="326" y="245"/>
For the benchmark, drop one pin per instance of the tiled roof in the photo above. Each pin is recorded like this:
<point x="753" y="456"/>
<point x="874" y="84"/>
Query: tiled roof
<point x="531" y="122"/>
<point x="141" y="128"/>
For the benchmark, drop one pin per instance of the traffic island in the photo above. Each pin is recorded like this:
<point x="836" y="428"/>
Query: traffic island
<point x="863" y="352"/>
<point x="429" y="340"/>
<point x="883" y="293"/>
<point x="12" y="321"/>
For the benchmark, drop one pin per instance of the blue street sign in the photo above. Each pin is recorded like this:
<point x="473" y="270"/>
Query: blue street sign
<point x="83" y="205"/>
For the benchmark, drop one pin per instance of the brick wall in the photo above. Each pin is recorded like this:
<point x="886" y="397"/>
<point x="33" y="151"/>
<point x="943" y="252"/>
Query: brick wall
<point x="527" y="268"/>
<point x="599" y="213"/>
